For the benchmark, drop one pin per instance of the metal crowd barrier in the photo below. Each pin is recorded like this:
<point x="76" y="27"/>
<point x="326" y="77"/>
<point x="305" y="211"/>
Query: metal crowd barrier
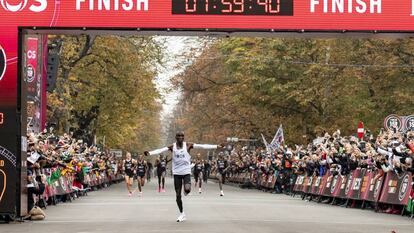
<point x="65" y="185"/>
<point x="359" y="185"/>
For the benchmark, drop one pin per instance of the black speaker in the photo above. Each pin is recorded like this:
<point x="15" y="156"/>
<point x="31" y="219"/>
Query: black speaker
<point x="52" y="71"/>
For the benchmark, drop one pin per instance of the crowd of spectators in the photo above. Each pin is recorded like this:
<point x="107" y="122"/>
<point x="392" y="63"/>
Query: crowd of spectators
<point x="389" y="151"/>
<point x="51" y="157"/>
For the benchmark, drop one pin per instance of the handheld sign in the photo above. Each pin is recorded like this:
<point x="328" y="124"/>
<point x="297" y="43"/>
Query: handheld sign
<point x="392" y="122"/>
<point x="409" y="123"/>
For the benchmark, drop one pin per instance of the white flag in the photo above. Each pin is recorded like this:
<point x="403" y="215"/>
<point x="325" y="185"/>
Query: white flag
<point x="265" y="143"/>
<point x="278" y="139"/>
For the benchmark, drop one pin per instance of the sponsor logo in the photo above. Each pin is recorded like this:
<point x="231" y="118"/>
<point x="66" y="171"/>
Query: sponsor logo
<point x="409" y="123"/>
<point x="62" y="183"/>
<point x="392" y="122"/>
<point x="403" y="188"/>
<point x="371" y="185"/>
<point x="348" y="184"/>
<point x="328" y="182"/>
<point x="357" y="184"/>
<point x="3" y="62"/>
<point x="333" y="186"/>
<point x="377" y="188"/>
<point x="297" y="180"/>
<point x="392" y="186"/>
<point x="318" y="181"/>
<point x="365" y="184"/>
<point x="19" y="5"/>
<point x="301" y="179"/>
<point x="310" y="181"/>
<point x="30" y="73"/>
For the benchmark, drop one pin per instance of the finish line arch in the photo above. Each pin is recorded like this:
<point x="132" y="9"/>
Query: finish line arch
<point x="293" y="18"/>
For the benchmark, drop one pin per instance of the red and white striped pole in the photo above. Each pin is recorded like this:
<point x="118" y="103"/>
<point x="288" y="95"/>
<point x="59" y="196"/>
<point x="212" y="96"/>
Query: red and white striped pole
<point x="360" y="130"/>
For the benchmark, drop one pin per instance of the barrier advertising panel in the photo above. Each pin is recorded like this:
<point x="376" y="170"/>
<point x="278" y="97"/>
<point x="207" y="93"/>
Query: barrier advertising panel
<point x="397" y="188"/>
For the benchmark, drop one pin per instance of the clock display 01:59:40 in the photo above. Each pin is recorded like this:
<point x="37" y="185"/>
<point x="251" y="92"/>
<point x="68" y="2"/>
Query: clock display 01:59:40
<point x="233" y="7"/>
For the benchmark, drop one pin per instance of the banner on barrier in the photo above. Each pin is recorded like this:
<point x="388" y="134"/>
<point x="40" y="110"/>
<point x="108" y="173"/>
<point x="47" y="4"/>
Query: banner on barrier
<point x="324" y="181"/>
<point x="354" y="189"/>
<point x="315" y="185"/>
<point x="305" y="186"/>
<point x="361" y="184"/>
<point x="298" y="184"/>
<point x="337" y="182"/>
<point x="326" y="188"/>
<point x="396" y="189"/>
<point x="371" y="187"/>
<point x="60" y="186"/>
<point x="343" y="189"/>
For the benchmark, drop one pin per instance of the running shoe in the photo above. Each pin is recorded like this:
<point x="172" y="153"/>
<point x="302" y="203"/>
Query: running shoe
<point x="181" y="218"/>
<point x="199" y="190"/>
<point x="163" y="190"/>
<point x="129" y="194"/>
<point x="140" y="194"/>
<point x="221" y="193"/>
<point x="159" y="190"/>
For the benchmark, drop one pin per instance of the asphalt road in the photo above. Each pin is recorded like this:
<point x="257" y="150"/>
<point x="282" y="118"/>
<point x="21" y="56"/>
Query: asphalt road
<point x="239" y="211"/>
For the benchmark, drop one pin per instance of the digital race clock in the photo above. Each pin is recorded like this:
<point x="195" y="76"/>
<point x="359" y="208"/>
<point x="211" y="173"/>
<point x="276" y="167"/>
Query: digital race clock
<point x="233" y="7"/>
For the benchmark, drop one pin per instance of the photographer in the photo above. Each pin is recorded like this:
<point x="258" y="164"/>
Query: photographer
<point x="35" y="185"/>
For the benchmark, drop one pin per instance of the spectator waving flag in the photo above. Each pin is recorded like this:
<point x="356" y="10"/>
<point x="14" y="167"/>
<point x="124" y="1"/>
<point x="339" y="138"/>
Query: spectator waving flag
<point x="278" y="139"/>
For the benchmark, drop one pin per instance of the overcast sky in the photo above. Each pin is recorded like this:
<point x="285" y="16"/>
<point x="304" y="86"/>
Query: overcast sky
<point x="176" y="48"/>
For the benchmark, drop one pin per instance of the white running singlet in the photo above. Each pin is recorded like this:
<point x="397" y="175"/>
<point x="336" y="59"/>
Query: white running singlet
<point x="181" y="161"/>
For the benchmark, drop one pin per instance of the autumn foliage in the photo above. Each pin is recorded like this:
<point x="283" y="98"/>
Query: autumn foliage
<point x="246" y="86"/>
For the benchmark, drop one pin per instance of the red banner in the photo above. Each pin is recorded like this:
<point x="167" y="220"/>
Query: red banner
<point x="33" y="77"/>
<point x="326" y="188"/>
<point x="345" y="185"/>
<point x="354" y="188"/>
<point x="31" y="66"/>
<point x="371" y="187"/>
<point x="322" y="185"/>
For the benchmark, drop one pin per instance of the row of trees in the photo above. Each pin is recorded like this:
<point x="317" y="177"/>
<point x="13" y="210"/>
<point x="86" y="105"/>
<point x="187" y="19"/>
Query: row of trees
<point x="106" y="89"/>
<point x="247" y="86"/>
